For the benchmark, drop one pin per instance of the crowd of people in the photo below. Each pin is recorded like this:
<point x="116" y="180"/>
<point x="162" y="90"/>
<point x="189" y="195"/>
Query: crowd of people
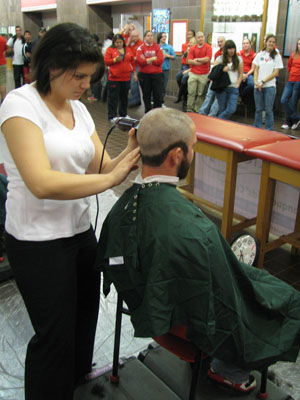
<point x="50" y="243"/>
<point x="204" y="87"/>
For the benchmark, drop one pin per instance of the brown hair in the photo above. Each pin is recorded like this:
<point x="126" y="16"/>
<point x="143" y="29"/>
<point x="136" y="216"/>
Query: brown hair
<point x="297" y="50"/>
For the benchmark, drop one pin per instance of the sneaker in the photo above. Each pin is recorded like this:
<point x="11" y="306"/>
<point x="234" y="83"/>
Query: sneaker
<point x="295" y="126"/>
<point x="163" y="105"/>
<point x="245" y="387"/>
<point x="113" y="120"/>
<point x="285" y="126"/>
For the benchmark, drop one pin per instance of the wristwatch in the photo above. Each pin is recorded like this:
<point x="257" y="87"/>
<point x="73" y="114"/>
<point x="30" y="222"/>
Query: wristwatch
<point x="263" y="82"/>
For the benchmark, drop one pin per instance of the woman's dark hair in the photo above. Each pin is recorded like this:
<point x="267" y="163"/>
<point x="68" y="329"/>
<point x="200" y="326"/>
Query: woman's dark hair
<point x="229" y="44"/>
<point x="297" y="50"/>
<point x="118" y="36"/>
<point x="64" y="47"/>
<point x="157" y="160"/>
<point x="159" y="36"/>
<point x="274" y="51"/>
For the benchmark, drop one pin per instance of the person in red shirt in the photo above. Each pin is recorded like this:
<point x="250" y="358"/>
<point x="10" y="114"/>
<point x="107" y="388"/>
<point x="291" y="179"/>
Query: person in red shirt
<point x="120" y="61"/>
<point x="3" y="48"/>
<point x="199" y="60"/>
<point x="133" y="43"/>
<point x="182" y="78"/>
<point x="247" y="85"/>
<point x="149" y="58"/>
<point x="291" y="93"/>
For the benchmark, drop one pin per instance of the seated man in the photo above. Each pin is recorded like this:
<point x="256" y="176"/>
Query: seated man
<point x="172" y="266"/>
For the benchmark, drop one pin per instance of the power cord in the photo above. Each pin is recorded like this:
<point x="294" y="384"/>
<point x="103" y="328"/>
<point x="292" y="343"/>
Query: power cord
<point x="100" y="167"/>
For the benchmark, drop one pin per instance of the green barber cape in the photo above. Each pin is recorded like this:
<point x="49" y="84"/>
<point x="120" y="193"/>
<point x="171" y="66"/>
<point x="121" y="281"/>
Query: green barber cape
<point x="172" y="267"/>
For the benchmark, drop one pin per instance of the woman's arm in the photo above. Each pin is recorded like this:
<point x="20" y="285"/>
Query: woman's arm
<point x="29" y="154"/>
<point x="273" y="75"/>
<point x="255" y="77"/>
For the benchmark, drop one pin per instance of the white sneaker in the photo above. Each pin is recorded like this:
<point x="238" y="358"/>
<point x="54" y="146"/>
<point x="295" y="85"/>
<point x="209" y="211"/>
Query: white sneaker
<point x="113" y="120"/>
<point x="285" y="126"/>
<point x="163" y="105"/>
<point x="295" y="126"/>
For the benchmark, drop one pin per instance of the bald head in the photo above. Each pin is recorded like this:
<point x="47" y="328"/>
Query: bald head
<point x="161" y="128"/>
<point x="221" y="42"/>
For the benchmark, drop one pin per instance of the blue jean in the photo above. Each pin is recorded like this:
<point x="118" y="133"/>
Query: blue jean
<point x="134" y="97"/>
<point x="180" y="75"/>
<point x="210" y="105"/>
<point x="165" y="82"/>
<point x="227" y="100"/>
<point x="264" y="101"/>
<point x="291" y="92"/>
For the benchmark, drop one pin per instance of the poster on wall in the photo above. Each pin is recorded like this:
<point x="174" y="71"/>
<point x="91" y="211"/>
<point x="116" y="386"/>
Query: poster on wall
<point x="291" y="27"/>
<point x="161" y="20"/>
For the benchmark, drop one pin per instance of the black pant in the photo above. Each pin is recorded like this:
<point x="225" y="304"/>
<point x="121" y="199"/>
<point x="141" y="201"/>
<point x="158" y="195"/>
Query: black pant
<point x="151" y="84"/>
<point x="117" y="97"/>
<point x="18" y="74"/>
<point x="60" y="289"/>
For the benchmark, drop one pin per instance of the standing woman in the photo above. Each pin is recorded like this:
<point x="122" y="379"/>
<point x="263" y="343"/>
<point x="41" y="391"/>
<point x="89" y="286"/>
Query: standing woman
<point x="50" y="244"/>
<point x="169" y="54"/>
<point x="120" y="61"/>
<point x="233" y="64"/>
<point x="292" y="90"/>
<point x="267" y="64"/>
<point x="149" y="58"/>
<point x="247" y="85"/>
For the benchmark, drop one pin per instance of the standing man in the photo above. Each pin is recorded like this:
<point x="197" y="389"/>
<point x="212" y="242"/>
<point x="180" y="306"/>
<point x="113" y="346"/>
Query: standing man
<point x="199" y="59"/>
<point x="16" y="44"/>
<point x="3" y="48"/>
<point x="210" y="105"/>
<point x="133" y="43"/>
<point x="26" y="51"/>
<point x="42" y="32"/>
<point x="169" y="54"/>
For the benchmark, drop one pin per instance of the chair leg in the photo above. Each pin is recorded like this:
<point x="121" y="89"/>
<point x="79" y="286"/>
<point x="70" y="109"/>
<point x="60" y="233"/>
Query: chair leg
<point x="196" y="369"/>
<point x="114" y="377"/>
<point x="263" y="394"/>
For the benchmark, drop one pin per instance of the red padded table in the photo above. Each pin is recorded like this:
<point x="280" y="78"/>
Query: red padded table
<point x="281" y="162"/>
<point x="227" y="141"/>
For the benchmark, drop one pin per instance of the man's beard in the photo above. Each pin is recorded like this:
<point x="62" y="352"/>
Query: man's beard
<point x="183" y="168"/>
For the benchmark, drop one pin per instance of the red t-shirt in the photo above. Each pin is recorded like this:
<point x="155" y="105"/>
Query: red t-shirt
<point x="3" y="47"/>
<point x="294" y="68"/>
<point x="200" y="52"/>
<point x="183" y="49"/>
<point x="247" y="60"/>
<point x="121" y="70"/>
<point x="218" y="53"/>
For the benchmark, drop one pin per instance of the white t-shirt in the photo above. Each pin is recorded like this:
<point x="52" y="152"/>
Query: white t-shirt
<point x="68" y="150"/>
<point x="233" y="75"/>
<point x="266" y="66"/>
<point x="17" y="46"/>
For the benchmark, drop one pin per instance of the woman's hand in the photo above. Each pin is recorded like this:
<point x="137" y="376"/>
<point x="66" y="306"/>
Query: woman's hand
<point x="125" y="166"/>
<point x="135" y="78"/>
<point x="117" y="59"/>
<point x="132" y="142"/>
<point x="226" y="68"/>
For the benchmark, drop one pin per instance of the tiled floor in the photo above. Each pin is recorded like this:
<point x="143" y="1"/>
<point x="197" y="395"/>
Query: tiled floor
<point x="15" y="326"/>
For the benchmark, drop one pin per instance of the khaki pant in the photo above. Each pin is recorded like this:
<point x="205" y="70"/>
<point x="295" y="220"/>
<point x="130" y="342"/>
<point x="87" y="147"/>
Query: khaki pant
<point x="196" y="86"/>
